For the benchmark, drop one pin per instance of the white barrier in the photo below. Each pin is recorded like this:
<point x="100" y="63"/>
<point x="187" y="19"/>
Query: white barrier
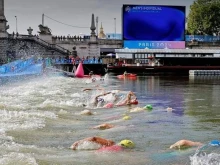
<point x="204" y="72"/>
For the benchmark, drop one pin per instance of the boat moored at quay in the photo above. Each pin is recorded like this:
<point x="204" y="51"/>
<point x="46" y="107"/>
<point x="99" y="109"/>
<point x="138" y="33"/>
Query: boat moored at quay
<point x="162" y="61"/>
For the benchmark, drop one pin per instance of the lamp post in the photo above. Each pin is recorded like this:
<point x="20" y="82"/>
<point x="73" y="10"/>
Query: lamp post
<point x="16" y="24"/>
<point x="43" y="19"/>
<point x="115" y="27"/>
<point x="97" y="21"/>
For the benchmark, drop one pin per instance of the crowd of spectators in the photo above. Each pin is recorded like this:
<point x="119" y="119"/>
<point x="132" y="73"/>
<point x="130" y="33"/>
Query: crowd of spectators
<point x="72" y="60"/>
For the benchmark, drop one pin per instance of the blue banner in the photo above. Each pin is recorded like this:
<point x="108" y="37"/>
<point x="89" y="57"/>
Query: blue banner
<point x="154" y="44"/>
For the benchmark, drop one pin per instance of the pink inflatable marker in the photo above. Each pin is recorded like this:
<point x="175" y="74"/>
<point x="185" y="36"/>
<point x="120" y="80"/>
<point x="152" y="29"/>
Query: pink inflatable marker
<point x="79" y="71"/>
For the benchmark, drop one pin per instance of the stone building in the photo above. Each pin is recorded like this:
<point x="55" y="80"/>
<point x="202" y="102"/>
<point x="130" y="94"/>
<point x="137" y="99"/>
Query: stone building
<point x="101" y="33"/>
<point x="3" y="33"/>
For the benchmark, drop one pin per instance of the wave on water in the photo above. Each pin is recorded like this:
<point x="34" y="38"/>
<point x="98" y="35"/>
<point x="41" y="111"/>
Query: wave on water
<point x="18" y="159"/>
<point x="10" y="152"/>
<point x="13" y="120"/>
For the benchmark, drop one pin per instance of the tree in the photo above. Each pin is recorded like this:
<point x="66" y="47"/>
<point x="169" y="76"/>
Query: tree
<point x="204" y="17"/>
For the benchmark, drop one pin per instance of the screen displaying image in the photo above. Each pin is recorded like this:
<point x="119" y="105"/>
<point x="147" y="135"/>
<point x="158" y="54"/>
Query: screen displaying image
<point x="153" y="23"/>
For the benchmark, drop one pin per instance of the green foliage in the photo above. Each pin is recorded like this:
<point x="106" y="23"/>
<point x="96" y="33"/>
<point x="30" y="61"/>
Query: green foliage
<point x="204" y="17"/>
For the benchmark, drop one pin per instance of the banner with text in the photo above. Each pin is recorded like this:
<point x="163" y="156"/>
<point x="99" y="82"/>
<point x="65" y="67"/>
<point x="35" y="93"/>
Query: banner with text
<point x="154" y="44"/>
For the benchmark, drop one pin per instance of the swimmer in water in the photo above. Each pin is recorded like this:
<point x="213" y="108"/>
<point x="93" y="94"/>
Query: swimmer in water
<point x="125" y="73"/>
<point x="101" y="144"/>
<point x="90" y="73"/>
<point x="138" y="109"/>
<point x="129" y="99"/>
<point x="185" y="143"/>
<point x="89" y="89"/>
<point x="103" y="126"/>
<point x="169" y="109"/>
<point x="99" y="99"/>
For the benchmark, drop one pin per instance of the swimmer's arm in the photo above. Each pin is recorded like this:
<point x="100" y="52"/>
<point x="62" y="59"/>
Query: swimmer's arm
<point x="74" y="145"/>
<point x="88" y="89"/>
<point x="186" y="143"/>
<point x="128" y="102"/>
<point x="96" y="98"/>
<point x="121" y="103"/>
<point x="103" y="94"/>
<point x="107" y="93"/>
<point x="135" y="97"/>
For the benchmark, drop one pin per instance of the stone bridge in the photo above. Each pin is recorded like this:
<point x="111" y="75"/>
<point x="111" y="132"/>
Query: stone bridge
<point x="22" y="46"/>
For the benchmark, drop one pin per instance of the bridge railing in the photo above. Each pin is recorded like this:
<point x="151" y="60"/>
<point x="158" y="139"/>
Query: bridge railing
<point x="51" y="45"/>
<point x="53" y="61"/>
<point x="40" y="41"/>
<point x="67" y="61"/>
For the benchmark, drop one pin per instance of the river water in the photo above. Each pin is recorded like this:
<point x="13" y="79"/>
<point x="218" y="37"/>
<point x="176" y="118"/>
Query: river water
<point x="40" y="119"/>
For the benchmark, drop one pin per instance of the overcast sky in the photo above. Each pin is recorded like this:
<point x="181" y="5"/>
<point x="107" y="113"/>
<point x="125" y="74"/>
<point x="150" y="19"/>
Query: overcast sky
<point x="72" y="12"/>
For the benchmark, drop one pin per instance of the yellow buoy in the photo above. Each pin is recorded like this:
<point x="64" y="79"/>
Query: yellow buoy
<point x="126" y="117"/>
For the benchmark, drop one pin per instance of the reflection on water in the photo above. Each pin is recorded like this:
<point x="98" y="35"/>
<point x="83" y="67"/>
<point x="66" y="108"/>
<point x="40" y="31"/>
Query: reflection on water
<point x="40" y="119"/>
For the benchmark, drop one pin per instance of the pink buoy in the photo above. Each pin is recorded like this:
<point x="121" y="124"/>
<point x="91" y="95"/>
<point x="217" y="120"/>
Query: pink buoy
<point x="79" y="71"/>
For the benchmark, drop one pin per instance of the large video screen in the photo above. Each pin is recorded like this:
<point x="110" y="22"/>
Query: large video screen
<point x="153" y="26"/>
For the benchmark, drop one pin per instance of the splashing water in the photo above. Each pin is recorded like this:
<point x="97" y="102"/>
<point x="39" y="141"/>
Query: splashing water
<point x="87" y="145"/>
<point x="206" y="155"/>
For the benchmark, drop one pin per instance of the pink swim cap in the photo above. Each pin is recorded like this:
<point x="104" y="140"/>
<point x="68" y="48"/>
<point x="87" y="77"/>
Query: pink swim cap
<point x="109" y="105"/>
<point x="113" y="148"/>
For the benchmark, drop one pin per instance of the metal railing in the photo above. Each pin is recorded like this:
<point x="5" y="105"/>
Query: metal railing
<point x="41" y="42"/>
<point x="58" y="61"/>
